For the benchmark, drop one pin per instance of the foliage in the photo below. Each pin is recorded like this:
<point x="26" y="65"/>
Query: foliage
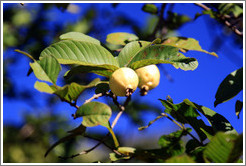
<point x="77" y="52"/>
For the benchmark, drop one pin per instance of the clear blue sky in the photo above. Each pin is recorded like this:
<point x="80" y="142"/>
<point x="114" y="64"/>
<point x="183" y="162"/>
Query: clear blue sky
<point x="199" y="86"/>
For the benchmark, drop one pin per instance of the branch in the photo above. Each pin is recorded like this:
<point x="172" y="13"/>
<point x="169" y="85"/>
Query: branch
<point x="95" y="96"/>
<point x="223" y="19"/>
<point x="122" y="109"/>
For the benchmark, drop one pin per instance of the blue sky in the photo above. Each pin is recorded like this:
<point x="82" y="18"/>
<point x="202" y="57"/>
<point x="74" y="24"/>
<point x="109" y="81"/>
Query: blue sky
<point x="199" y="86"/>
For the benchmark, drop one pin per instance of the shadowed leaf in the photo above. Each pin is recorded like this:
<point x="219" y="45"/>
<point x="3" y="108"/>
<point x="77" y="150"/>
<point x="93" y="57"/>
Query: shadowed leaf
<point x="238" y="107"/>
<point x="229" y="87"/>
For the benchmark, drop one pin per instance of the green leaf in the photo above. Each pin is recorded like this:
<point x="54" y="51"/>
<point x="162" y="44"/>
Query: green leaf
<point x="72" y="91"/>
<point x="79" y="37"/>
<point x="94" y="113"/>
<point x="156" y="54"/>
<point x="180" y="159"/>
<point x="238" y="107"/>
<point x="44" y="87"/>
<point x="103" y="70"/>
<point x="126" y="150"/>
<point x="150" y="8"/>
<point x="80" y="53"/>
<point x="47" y="69"/>
<point x="129" y="51"/>
<point x="228" y="8"/>
<point x="121" y="38"/>
<point x="221" y="147"/>
<point x="186" y="44"/>
<point x="186" y="113"/>
<point x="80" y="130"/>
<point x="229" y="87"/>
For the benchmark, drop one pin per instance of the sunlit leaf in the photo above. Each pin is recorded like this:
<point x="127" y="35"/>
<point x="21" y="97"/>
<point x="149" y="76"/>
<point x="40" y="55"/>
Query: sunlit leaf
<point x="79" y="37"/>
<point x="130" y="50"/>
<point x="80" y="53"/>
<point x="94" y="114"/>
<point x="156" y="54"/>
<point x="221" y="146"/>
<point x="121" y="38"/>
<point x="44" y="87"/>
<point x="80" y="130"/>
<point x="150" y="8"/>
<point x="188" y="44"/>
<point x="47" y="69"/>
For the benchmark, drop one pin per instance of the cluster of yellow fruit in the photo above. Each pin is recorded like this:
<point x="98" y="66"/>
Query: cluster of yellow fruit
<point x="125" y="79"/>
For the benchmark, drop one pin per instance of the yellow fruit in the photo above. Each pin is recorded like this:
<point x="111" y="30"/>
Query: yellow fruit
<point x="123" y="79"/>
<point x="149" y="77"/>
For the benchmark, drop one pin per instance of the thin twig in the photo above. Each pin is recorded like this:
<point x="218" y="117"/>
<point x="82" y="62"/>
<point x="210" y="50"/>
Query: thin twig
<point x="223" y="19"/>
<point x="151" y="122"/>
<point x="182" y="127"/>
<point x="95" y="96"/>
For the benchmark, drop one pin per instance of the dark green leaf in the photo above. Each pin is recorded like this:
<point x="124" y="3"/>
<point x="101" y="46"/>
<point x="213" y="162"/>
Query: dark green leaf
<point x="150" y="8"/>
<point x="237" y="149"/>
<point x="102" y="88"/>
<point x="194" y="149"/>
<point x="75" y="132"/>
<point x="120" y="38"/>
<point x="238" y="107"/>
<point x="229" y="87"/>
<point x="79" y="37"/>
<point x="80" y="53"/>
<point x="180" y="159"/>
<point x="219" y="149"/>
<point x="47" y="69"/>
<point x="186" y="113"/>
<point x="186" y="44"/>
<point x="94" y="113"/>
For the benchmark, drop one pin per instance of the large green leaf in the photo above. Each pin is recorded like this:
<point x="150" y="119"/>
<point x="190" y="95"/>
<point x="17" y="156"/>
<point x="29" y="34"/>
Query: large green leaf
<point x="47" y="69"/>
<point x="229" y="87"/>
<point x="186" y="113"/>
<point x="94" y="113"/>
<point x="129" y="51"/>
<point x="79" y="37"/>
<point x="155" y="54"/>
<point x="120" y="38"/>
<point x="186" y="44"/>
<point x="180" y="159"/>
<point x="80" y="130"/>
<point x="221" y="147"/>
<point x="80" y="53"/>
<point x="103" y="70"/>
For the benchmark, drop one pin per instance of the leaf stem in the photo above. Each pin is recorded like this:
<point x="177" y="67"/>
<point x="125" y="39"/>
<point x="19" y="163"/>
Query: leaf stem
<point x="116" y="143"/>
